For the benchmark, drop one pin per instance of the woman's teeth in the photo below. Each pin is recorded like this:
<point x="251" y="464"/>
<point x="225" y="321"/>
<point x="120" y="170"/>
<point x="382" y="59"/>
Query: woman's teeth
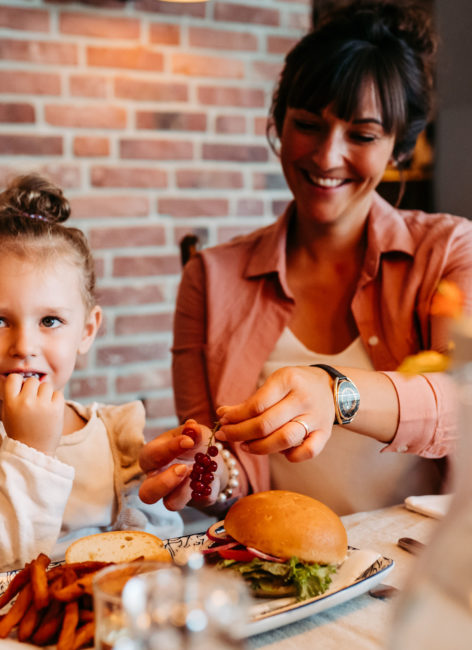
<point x="326" y="182"/>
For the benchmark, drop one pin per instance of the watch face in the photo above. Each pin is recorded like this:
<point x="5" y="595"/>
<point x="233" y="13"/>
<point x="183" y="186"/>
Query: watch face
<point x="348" y="399"/>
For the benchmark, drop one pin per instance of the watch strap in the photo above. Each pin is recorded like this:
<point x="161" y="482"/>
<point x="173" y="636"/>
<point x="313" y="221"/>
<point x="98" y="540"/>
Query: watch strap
<point x="329" y="369"/>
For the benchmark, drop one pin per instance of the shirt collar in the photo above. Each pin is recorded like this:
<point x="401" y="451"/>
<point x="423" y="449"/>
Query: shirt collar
<point x="387" y="232"/>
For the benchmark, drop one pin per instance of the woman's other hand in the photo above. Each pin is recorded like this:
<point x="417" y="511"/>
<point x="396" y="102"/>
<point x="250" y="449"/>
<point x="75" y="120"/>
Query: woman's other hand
<point x="32" y="412"/>
<point x="267" y="421"/>
<point x="167" y="461"/>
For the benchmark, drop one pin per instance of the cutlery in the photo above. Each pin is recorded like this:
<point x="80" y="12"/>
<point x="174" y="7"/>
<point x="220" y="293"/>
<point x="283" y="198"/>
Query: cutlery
<point x="383" y="591"/>
<point x="411" y="545"/>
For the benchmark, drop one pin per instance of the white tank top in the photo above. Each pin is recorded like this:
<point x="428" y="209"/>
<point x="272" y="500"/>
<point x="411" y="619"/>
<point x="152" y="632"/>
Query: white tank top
<point x="350" y="475"/>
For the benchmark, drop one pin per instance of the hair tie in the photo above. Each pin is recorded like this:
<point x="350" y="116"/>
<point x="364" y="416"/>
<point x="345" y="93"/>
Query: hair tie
<point x="35" y="216"/>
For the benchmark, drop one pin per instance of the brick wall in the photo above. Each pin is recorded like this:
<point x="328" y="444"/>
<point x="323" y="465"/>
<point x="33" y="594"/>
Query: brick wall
<point x="151" y="116"/>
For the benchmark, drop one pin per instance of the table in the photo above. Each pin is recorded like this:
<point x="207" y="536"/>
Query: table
<point x="364" y="622"/>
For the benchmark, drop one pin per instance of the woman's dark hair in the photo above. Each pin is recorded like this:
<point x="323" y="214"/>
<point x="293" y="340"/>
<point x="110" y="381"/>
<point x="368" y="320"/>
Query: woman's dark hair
<point x="31" y="214"/>
<point x="388" y="43"/>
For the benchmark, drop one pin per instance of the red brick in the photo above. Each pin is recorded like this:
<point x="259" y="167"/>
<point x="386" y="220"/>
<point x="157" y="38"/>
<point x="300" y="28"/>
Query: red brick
<point x="278" y="207"/>
<point x="155" y="149"/>
<point x="269" y="181"/>
<point x="36" y="20"/>
<point x="143" y="323"/>
<point x="250" y="208"/>
<point x="31" y="145"/>
<point x="148" y="379"/>
<point x="154" y="91"/>
<point x="64" y="175"/>
<point x="246" y="14"/>
<point x="91" y="387"/>
<point x="117" y="205"/>
<point x="92" y="116"/>
<point x="137" y="58"/>
<point x="38" y="52"/>
<point x="164" y="34"/>
<point x="260" y="125"/>
<point x="227" y="233"/>
<point x="16" y="113"/>
<point x="207" y="66"/>
<point x="200" y="232"/>
<point x="197" y="207"/>
<point x="235" y="152"/>
<point x="266" y="70"/>
<point x="301" y="21"/>
<point x="240" y="97"/>
<point x="209" y="179"/>
<point x="126" y="267"/>
<point x="91" y="146"/>
<point x="86" y="85"/>
<point x="230" y="124"/>
<point x="116" y="355"/>
<point x="128" y="177"/>
<point x="197" y="9"/>
<point x="280" y="44"/>
<point x="72" y="22"/>
<point x="171" y="121"/>
<point x="125" y="237"/>
<point x="30" y="83"/>
<point x="159" y="407"/>
<point x="125" y="296"/>
<point x="221" y="39"/>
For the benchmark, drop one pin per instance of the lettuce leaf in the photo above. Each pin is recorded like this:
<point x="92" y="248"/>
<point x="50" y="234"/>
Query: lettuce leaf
<point x="307" y="580"/>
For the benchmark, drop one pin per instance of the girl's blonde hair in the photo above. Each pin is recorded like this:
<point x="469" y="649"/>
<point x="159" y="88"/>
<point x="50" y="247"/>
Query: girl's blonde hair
<point x="32" y="211"/>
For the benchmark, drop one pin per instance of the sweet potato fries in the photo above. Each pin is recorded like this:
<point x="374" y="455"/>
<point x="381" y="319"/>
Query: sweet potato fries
<point x="52" y="606"/>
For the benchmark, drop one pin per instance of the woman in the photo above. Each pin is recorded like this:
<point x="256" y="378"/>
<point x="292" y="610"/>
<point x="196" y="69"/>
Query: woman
<point x="342" y="279"/>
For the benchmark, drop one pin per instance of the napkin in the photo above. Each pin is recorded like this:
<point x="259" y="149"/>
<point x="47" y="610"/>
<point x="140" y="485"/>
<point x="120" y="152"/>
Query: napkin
<point x="431" y="505"/>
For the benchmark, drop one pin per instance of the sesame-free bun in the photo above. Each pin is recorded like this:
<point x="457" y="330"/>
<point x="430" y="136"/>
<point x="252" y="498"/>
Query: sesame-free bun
<point x="118" y="546"/>
<point x="287" y="524"/>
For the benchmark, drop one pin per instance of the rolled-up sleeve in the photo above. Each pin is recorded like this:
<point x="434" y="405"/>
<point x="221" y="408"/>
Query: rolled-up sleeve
<point x="428" y="414"/>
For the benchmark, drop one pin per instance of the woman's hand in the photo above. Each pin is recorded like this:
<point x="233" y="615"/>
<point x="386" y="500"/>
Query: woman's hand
<point x="167" y="461"/>
<point x="32" y="412"/>
<point x="266" y="422"/>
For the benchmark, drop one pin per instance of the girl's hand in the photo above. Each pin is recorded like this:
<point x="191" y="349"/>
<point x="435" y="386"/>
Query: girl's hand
<point x="266" y="422"/>
<point x="33" y="413"/>
<point x="168" y="459"/>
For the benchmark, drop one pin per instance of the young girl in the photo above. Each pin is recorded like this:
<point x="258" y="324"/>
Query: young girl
<point x="66" y="470"/>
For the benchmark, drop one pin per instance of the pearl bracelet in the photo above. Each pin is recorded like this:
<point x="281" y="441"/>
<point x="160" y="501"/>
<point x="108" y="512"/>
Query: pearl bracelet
<point x="233" y="473"/>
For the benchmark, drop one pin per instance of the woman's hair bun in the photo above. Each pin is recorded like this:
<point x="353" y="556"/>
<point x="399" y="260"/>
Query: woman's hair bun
<point x="408" y="20"/>
<point x="34" y="195"/>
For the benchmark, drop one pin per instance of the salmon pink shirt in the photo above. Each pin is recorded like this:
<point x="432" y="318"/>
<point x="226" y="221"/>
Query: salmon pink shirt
<point x="234" y="303"/>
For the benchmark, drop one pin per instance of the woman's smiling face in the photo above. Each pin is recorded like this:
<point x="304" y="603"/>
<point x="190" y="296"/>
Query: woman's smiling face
<point x="332" y="166"/>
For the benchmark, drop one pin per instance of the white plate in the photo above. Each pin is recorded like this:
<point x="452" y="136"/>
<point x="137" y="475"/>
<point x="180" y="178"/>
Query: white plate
<point x="362" y="570"/>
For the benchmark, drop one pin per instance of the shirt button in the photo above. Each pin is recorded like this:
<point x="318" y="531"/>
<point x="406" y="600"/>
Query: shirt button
<point x="373" y="340"/>
<point x="402" y="449"/>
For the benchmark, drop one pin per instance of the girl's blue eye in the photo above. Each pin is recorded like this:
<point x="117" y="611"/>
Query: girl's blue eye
<point x="50" y="321"/>
<point x="2" y="322"/>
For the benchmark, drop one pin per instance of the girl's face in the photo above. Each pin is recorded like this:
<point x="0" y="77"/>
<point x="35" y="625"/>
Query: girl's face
<point x="331" y="165"/>
<point x="43" y="320"/>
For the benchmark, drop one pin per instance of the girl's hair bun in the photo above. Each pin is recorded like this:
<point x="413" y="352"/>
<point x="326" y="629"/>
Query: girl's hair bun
<point x="34" y="195"/>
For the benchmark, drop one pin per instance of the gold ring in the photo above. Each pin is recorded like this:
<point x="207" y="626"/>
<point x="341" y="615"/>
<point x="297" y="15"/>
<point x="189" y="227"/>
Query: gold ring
<point x="305" y="426"/>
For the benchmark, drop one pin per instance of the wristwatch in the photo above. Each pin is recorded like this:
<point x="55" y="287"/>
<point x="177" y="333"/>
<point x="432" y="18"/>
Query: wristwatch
<point x="345" y="393"/>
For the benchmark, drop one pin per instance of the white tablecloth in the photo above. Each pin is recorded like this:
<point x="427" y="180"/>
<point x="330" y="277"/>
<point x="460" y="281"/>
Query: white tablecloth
<point x="364" y="622"/>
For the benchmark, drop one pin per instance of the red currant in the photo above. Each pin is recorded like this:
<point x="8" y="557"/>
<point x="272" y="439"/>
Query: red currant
<point x="203" y="469"/>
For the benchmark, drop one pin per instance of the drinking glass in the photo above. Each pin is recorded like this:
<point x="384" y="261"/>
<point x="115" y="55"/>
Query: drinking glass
<point x="110" y="618"/>
<point x="186" y="608"/>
